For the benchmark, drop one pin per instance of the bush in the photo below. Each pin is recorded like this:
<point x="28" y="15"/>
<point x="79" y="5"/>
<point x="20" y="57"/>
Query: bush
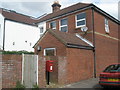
<point x="19" y="85"/>
<point x="17" y="52"/>
<point x="35" y="86"/>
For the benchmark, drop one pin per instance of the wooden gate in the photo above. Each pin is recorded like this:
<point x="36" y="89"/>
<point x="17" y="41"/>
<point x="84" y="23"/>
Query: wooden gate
<point x="29" y="70"/>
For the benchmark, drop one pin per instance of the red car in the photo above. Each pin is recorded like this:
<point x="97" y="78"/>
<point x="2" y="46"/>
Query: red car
<point x="110" y="77"/>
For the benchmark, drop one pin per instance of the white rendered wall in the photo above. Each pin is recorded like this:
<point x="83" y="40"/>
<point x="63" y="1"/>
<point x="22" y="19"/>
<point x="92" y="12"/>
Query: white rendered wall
<point x="20" y="36"/>
<point x="42" y="24"/>
<point x="1" y="31"/>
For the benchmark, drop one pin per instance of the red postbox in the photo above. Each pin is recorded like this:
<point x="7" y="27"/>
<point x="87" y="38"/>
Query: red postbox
<point x="49" y="66"/>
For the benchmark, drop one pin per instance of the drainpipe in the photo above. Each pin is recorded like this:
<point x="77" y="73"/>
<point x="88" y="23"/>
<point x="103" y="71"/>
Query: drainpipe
<point x="94" y="52"/>
<point x="4" y="36"/>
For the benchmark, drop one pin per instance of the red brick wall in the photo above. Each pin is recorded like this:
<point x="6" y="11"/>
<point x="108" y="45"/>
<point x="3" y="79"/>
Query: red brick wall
<point x="106" y="52"/>
<point x="50" y="41"/>
<point x="106" y="47"/>
<point x="67" y="69"/>
<point x="41" y="72"/>
<point x="11" y="70"/>
<point x="71" y="21"/>
<point x="59" y="70"/>
<point x="79" y="64"/>
<point x="62" y="70"/>
<point x="99" y="25"/>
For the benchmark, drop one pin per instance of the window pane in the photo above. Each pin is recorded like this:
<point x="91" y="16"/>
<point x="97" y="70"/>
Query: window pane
<point x="112" y="68"/>
<point x="50" y="52"/>
<point x="53" y="25"/>
<point x="63" y="22"/>
<point x="81" y="16"/>
<point x="64" y="29"/>
<point x="106" y="21"/>
<point x="41" y="29"/>
<point x="107" y="28"/>
<point x="79" y="23"/>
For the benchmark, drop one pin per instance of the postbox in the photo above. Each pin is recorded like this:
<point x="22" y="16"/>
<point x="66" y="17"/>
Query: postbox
<point x="49" y="66"/>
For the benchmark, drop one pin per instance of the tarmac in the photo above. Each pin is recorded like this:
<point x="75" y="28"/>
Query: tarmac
<point x="90" y="83"/>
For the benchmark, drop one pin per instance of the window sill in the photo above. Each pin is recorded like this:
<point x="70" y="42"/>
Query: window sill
<point x="79" y="27"/>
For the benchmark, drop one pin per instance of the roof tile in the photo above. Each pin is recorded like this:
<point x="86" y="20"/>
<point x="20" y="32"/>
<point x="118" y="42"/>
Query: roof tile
<point x="12" y="15"/>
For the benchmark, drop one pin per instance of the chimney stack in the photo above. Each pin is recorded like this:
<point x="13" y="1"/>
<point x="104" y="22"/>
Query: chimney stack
<point x="56" y="6"/>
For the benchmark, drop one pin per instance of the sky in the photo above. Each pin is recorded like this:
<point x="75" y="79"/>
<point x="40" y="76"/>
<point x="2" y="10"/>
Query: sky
<point x="36" y="8"/>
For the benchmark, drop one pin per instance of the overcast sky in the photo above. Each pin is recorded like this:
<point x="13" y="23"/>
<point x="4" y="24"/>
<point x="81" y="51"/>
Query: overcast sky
<point x="37" y="8"/>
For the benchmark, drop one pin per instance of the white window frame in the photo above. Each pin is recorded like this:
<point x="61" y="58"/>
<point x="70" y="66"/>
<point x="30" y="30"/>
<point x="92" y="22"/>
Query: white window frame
<point x="106" y="26"/>
<point x="49" y="49"/>
<point x="63" y="25"/>
<point x="50" y="25"/>
<point x="80" y="20"/>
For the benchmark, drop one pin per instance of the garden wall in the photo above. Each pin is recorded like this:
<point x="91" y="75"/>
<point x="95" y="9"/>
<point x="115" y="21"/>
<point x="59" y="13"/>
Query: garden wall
<point x="11" y="70"/>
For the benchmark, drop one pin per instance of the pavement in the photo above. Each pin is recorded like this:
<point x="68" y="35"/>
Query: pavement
<point x="90" y="83"/>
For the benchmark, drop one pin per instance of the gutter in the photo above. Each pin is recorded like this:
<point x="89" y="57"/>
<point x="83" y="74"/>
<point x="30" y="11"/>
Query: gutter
<point x="79" y="46"/>
<point x="34" y="25"/>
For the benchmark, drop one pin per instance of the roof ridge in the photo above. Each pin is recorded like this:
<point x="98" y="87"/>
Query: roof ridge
<point x="13" y="11"/>
<point x="61" y="11"/>
<point x="75" y="5"/>
<point x="70" y="6"/>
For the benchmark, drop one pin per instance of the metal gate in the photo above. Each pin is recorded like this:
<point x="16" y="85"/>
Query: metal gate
<point x="29" y="70"/>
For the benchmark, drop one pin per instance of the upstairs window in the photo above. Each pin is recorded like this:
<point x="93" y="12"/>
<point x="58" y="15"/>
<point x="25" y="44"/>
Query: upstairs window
<point x="53" y="25"/>
<point x="41" y="29"/>
<point x="80" y="20"/>
<point x="106" y="26"/>
<point x="63" y="25"/>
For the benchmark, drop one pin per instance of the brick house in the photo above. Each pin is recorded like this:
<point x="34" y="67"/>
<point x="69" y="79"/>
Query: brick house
<point x="82" y="33"/>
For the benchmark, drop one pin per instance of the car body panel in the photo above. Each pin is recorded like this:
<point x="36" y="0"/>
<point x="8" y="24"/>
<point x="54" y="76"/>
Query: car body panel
<point x="111" y="77"/>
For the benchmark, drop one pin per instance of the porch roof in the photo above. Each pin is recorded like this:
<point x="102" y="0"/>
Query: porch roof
<point x="69" y="40"/>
